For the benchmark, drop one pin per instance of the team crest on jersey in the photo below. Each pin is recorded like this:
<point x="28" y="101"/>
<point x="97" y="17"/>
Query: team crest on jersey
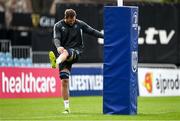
<point x="63" y="28"/>
<point x="75" y="26"/>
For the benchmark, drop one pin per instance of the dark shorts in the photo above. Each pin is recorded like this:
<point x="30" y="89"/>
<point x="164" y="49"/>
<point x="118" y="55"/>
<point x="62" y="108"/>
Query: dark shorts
<point x="72" y="58"/>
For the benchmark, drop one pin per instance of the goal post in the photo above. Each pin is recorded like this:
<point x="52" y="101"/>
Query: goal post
<point x="120" y="60"/>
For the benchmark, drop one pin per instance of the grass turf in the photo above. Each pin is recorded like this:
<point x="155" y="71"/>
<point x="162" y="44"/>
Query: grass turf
<point x="87" y="108"/>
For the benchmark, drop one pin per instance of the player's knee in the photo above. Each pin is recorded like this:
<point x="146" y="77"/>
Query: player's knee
<point x="72" y="54"/>
<point x="65" y="52"/>
<point x="64" y="75"/>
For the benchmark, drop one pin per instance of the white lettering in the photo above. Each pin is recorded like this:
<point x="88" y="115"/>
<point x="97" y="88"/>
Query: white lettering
<point x="164" y="84"/>
<point x="5" y="83"/>
<point x="47" y="21"/>
<point x="18" y="85"/>
<point x="86" y="82"/>
<point x="164" y="38"/>
<point x="12" y="84"/>
<point x="22" y="77"/>
<point x="52" y="82"/>
<point x="152" y="32"/>
<point x="27" y="83"/>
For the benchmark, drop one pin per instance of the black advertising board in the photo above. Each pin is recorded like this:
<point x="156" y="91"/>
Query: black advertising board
<point x="21" y="19"/>
<point x="2" y="18"/>
<point x="158" y="34"/>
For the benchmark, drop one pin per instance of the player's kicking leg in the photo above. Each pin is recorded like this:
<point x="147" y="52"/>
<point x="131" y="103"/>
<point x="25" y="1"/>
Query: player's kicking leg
<point x="62" y="57"/>
<point x="52" y="59"/>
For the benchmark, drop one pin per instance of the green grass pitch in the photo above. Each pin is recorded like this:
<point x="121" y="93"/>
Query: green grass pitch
<point x="87" y="108"/>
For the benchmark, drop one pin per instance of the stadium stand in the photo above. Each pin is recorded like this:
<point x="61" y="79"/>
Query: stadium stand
<point x="14" y="56"/>
<point x="6" y="59"/>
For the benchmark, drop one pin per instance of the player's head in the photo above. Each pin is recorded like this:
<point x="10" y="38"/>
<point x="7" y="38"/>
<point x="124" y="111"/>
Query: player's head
<point x="70" y="16"/>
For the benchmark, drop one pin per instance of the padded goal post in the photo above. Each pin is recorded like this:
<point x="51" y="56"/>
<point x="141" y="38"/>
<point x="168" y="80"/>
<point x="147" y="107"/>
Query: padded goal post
<point x="120" y="60"/>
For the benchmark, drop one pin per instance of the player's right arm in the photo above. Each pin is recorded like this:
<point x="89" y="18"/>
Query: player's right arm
<point x="91" y="31"/>
<point x="57" y="38"/>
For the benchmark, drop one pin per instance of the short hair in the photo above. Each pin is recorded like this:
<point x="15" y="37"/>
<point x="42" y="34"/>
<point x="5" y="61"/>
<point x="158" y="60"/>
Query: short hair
<point x="69" y="13"/>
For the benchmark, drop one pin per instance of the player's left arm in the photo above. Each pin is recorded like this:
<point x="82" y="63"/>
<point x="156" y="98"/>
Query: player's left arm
<point x="91" y="31"/>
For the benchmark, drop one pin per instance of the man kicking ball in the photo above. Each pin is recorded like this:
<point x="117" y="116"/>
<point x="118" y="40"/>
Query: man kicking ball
<point x="68" y="39"/>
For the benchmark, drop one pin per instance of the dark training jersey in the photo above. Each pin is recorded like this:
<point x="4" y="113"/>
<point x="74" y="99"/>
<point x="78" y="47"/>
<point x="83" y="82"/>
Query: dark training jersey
<point x="71" y="36"/>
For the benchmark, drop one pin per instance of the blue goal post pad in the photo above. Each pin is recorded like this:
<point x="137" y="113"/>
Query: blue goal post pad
<point x="120" y="60"/>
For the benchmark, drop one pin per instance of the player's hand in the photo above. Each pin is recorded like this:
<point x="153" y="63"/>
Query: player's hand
<point x="60" y="50"/>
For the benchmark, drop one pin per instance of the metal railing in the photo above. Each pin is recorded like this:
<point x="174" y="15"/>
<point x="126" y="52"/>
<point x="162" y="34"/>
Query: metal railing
<point x="21" y="52"/>
<point x="40" y="57"/>
<point x="5" y="45"/>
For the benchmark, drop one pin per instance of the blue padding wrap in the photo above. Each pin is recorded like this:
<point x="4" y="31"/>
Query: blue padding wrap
<point x="64" y="75"/>
<point x="120" y="60"/>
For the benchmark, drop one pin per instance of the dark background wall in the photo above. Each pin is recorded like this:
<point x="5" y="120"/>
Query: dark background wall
<point x="156" y="22"/>
<point x="163" y="19"/>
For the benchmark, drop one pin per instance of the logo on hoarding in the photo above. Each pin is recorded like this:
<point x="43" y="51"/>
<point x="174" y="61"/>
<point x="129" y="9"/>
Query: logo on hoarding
<point x="148" y="82"/>
<point x="86" y="82"/>
<point x="165" y="84"/>
<point x="152" y="35"/>
<point x="42" y="21"/>
<point x="46" y="21"/>
<point x="134" y="60"/>
<point x="27" y="83"/>
<point x="35" y="19"/>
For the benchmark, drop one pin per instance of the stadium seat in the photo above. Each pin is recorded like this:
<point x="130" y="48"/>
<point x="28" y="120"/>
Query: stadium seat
<point x="9" y="61"/>
<point x="2" y="61"/>
<point x="10" y="64"/>
<point x="3" y="64"/>
<point x="2" y="54"/>
<point x="6" y="59"/>
<point x="23" y="62"/>
<point x="23" y="65"/>
<point x="16" y="62"/>
<point x="8" y="55"/>
<point x="29" y="65"/>
<point x="29" y="62"/>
